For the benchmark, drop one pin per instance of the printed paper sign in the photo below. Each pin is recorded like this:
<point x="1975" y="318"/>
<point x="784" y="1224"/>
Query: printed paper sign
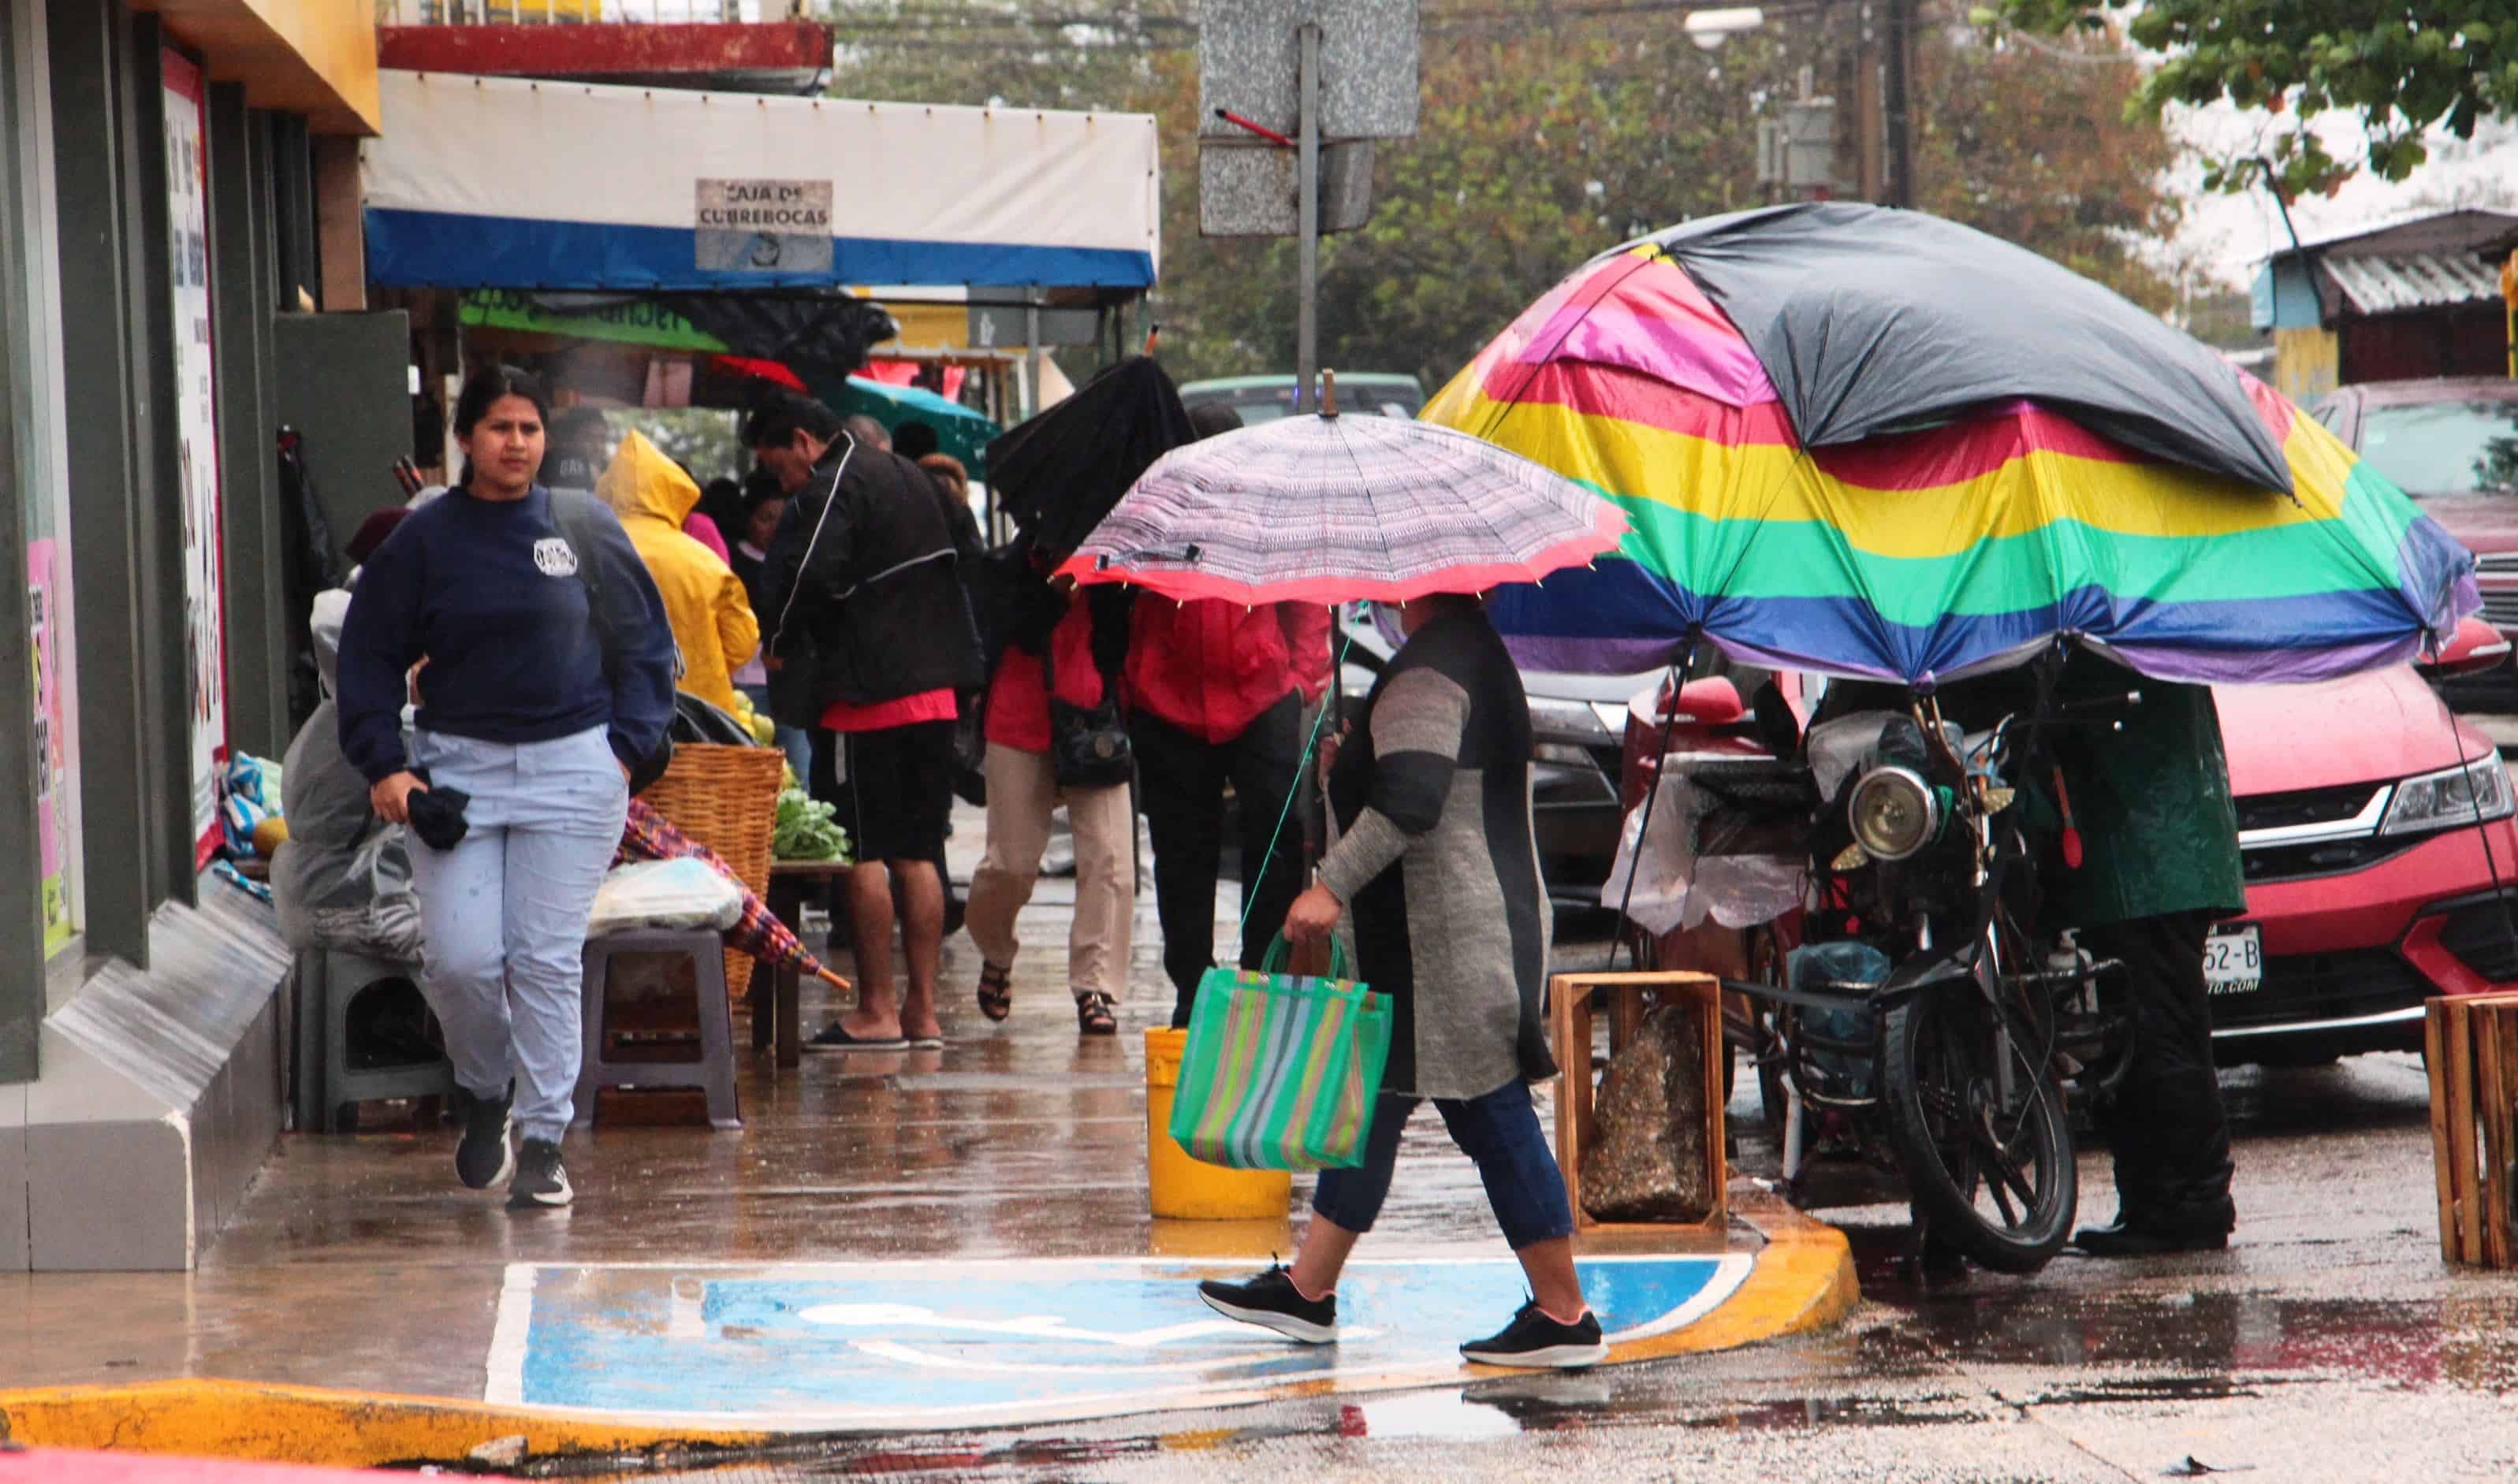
<point x="764" y="226"/>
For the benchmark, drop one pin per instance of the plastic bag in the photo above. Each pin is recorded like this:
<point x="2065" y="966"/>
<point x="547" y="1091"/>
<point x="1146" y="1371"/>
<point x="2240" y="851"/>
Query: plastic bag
<point x="343" y="879"/>
<point x="1675" y="887"/>
<point x="1846" y="968"/>
<point x="249" y="793"/>
<point x="683" y="893"/>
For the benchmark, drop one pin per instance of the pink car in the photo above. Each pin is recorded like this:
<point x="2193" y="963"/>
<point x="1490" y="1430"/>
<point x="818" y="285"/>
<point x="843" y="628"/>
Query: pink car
<point x="2375" y="827"/>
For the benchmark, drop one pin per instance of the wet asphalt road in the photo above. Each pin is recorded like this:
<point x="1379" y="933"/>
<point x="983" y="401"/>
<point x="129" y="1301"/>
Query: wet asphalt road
<point x="2329" y="1343"/>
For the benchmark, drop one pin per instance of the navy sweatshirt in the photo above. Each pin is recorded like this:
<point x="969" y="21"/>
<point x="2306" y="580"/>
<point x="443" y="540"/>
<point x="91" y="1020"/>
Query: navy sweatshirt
<point x="488" y="592"/>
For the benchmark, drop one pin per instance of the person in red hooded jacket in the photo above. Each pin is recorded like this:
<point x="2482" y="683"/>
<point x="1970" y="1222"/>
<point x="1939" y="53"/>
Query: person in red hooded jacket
<point x="1216" y="693"/>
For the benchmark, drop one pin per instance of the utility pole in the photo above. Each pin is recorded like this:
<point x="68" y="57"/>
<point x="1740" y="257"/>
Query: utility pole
<point x="1897" y="100"/>
<point x="1307" y="214"/>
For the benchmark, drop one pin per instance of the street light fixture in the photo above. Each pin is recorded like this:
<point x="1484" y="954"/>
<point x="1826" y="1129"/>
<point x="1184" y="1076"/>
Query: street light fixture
<point x="1708" y="29"/>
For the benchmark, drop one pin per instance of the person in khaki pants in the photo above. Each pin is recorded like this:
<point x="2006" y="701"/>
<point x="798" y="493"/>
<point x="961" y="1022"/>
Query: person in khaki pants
<point x="1083" y="638"/>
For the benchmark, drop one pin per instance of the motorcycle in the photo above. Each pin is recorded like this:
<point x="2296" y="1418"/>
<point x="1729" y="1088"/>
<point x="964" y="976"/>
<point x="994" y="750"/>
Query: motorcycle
<point x="1927" y="1023"/>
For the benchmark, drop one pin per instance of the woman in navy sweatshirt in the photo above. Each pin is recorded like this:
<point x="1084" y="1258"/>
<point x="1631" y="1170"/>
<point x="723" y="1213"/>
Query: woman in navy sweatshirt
<point x="545" y="673"/>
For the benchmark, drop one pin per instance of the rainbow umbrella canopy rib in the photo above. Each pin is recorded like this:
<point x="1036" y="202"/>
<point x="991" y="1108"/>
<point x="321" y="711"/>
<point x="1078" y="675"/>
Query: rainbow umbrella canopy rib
<point x="1950" y="526"/>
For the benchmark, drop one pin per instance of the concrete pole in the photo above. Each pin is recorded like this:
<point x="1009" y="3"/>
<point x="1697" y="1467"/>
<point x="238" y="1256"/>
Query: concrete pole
<point x="1307" y="225"/>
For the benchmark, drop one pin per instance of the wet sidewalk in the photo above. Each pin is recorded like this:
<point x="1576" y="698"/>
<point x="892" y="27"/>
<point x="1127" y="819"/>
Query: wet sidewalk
<point x="901" y="1239"/>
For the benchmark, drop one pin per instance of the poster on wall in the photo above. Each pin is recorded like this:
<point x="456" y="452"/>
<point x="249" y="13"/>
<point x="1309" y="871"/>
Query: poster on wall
<point x="196" y="431"/>
<point x="52" y="761"/>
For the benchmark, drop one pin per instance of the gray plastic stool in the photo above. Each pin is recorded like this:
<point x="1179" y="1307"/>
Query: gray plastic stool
<point x="327" y="981"/>
<point x="712" y="1073"/>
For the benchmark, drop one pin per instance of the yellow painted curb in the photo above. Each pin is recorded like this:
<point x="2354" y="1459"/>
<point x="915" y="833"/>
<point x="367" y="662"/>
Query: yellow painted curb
<point x="1803" y="1279"/>
<point x="310" y="1425"/>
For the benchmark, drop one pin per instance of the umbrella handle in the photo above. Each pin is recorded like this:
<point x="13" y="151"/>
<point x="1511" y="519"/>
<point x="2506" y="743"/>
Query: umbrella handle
<point x="1329" y="393"/>
<point x="1152" y="332"/>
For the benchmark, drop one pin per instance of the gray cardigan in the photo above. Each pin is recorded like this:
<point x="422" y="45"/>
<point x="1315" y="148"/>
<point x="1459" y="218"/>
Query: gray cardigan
<point x="1437" y="863"/>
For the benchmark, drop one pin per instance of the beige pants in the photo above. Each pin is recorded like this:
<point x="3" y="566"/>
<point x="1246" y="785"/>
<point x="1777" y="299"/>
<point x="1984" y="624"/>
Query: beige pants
<point x="1021" y="794"/>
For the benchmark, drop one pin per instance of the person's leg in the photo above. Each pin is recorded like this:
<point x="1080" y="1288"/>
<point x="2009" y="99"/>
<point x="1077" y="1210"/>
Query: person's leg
<point x="1500" y="1133"/>
<point x="1266" y="760"/>
<point x="463" y="955"/>
<point x="877" y="1016"/>
<point x="2165" y="1124"/>
<point x="1300" y="1302"/>
<point x="568" y="829"/>
<point x="1180" y="782"/>
<point x="1021" y="794"/>
<point x="1345" y="1202"/>
<point x="1105" y="897"/>
<point x="918" y="767"/>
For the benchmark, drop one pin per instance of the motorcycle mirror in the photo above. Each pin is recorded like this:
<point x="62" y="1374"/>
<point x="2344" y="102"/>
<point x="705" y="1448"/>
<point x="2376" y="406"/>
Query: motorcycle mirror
<point x="1713" y="701"/>
<point x="2475" y="648"/>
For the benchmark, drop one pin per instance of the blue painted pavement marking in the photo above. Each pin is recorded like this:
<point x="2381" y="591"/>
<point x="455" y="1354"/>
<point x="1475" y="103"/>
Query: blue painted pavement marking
<point x="896" y="1344"/>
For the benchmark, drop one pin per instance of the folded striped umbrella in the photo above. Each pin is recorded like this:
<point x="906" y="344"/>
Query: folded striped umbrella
<point x="1851" y="482"/>
<point x="647" y="835"/>
<point x="1330" y="508"/>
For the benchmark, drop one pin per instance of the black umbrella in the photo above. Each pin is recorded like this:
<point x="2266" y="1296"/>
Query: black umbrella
<point x="1059" y="473"/>
<point x="1869" y="321"/>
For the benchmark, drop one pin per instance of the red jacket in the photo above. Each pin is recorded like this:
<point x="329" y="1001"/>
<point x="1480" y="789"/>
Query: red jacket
<point x="1018" y="701"/>
<point x="1210" y="667"/>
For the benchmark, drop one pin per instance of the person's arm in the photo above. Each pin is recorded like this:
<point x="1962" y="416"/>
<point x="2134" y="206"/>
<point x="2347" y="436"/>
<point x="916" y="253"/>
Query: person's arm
<point x="1415" y="728"/>
<point x="1307" y="647"/>
<point x="639" y="640"/>
<point x="380" y="641"/>
<point x="738" y="632"/>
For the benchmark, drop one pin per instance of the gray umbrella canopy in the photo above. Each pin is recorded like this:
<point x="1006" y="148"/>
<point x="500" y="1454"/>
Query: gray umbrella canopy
<point x="1870" y="320"/>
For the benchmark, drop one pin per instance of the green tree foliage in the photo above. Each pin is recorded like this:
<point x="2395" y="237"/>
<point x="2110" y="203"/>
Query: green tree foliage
<point x="1547" y="134"/>
<point x="2402" y="67"/>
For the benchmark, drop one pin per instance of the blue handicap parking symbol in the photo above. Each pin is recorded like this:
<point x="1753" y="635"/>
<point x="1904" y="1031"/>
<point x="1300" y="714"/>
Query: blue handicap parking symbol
<point x="919" y="1343"/>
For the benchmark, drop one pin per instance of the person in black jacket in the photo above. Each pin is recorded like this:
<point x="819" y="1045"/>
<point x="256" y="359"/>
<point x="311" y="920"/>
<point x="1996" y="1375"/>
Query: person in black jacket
<point x="863" y="579"/>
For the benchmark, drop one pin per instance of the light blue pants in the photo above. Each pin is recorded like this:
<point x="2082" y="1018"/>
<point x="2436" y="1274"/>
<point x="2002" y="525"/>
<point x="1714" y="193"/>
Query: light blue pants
<point x="505" y="912"/>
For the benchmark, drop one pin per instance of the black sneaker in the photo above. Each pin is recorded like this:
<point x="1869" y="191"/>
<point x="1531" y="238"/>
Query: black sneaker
<point x="483" y="1158"/>
<point x="1273" y="1303"/>
<point x="1533" y="1341"/>
<point x="542" y="1180"/>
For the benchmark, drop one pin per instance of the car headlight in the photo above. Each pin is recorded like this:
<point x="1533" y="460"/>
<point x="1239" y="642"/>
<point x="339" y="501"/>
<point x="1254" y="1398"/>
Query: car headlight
<point x="1894" y="812"/>
<point x="1570" y="719"/>
<point x="2464" y="795"/>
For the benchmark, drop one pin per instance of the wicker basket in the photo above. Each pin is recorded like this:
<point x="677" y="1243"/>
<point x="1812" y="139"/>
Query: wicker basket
<point x="726" y="798"/>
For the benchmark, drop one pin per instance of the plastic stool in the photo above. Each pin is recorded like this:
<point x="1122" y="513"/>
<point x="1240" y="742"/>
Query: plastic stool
<point x="712" y="1073"/>
<point x="327" y="981"/>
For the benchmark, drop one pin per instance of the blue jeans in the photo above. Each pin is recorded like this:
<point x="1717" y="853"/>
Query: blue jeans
<point x="1498" y="1130"/>
<point x="505" y="912"/>
<point x="794" y="742"/>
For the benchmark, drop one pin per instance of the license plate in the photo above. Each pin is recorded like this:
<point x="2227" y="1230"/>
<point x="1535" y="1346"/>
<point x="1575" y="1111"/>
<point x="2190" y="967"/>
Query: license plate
<point x="2233" y="960"/>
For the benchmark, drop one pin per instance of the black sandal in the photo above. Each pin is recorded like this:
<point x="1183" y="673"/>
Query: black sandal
<point x="1096" y="1014"/>
<point x="996" y="992"/>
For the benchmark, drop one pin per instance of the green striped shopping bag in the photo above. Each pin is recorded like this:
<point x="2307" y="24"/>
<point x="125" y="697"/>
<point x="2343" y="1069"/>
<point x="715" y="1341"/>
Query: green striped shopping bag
<point x="1280" y="1072"/>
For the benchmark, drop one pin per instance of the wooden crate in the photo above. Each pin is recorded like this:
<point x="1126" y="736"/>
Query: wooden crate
<point x="1576" y="1000"/>
<point x="2471" y="1042"/>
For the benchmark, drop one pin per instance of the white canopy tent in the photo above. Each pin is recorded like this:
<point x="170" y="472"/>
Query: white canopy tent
<point x="504" y="182"/>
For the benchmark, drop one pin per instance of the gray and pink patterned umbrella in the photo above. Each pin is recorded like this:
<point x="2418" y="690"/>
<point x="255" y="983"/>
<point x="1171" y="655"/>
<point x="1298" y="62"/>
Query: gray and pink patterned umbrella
<point x="1332" y="509"/>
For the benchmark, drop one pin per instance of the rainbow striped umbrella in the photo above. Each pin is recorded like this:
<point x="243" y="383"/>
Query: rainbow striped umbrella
<point x="1956" y="541"/>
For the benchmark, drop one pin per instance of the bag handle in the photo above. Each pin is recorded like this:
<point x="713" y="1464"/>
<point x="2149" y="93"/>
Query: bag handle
<point x="1277" y="950"/>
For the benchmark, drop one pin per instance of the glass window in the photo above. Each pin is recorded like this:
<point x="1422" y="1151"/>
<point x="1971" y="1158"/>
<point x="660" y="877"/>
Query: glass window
<point x="2444" y="448"/>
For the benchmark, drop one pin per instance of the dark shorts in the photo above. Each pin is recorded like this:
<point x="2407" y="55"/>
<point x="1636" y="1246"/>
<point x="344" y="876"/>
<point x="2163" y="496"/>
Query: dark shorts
<point x="896" y="794"/>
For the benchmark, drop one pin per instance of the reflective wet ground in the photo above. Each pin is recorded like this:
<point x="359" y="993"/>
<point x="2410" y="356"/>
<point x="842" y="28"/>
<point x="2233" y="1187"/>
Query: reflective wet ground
<point x="2328" y="1343"/>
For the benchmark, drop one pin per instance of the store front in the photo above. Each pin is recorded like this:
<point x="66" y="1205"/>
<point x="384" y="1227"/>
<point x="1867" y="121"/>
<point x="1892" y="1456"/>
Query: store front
<point x="164" y="176"/>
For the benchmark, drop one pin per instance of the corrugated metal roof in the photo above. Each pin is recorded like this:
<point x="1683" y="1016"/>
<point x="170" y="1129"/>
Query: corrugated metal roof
<point x="2379" y="285"/>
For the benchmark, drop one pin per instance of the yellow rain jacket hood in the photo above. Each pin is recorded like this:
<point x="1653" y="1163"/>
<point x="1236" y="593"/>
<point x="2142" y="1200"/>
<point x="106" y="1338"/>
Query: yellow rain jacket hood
<point x="712" y="617"/>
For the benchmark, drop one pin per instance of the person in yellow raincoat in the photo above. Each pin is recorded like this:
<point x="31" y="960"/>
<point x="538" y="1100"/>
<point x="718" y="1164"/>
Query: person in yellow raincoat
<point x="704" y="600"/>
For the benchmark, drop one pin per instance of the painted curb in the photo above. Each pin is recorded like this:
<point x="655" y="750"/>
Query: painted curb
<point x="1803" y="1280"/>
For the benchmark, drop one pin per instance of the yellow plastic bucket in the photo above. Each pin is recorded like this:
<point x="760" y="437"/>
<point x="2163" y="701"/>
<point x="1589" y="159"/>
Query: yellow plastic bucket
<point x="1192" y="1190"/>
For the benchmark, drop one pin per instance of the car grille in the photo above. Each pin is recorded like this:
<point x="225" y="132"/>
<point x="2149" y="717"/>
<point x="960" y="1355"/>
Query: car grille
<point x="2323" y="987"/>
<point x="2501" y="609"/>
<point x="2306" y="806"/>
<point x="2480" y="938"/>
<point x="2498" y="560"/>
<point x="2267" y="865"/>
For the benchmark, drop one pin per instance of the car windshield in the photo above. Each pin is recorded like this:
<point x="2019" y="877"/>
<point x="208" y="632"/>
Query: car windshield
<point x="2444" y="448"/>
<point x="1258" y="405"/>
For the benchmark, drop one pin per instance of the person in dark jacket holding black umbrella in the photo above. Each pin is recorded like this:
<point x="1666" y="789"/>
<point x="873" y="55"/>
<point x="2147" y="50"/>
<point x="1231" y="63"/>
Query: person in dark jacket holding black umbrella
<point x="869" y="615"/>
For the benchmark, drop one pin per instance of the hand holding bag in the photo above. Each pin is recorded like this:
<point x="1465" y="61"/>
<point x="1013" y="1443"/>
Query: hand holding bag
<point x="1281" y="1072"/>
